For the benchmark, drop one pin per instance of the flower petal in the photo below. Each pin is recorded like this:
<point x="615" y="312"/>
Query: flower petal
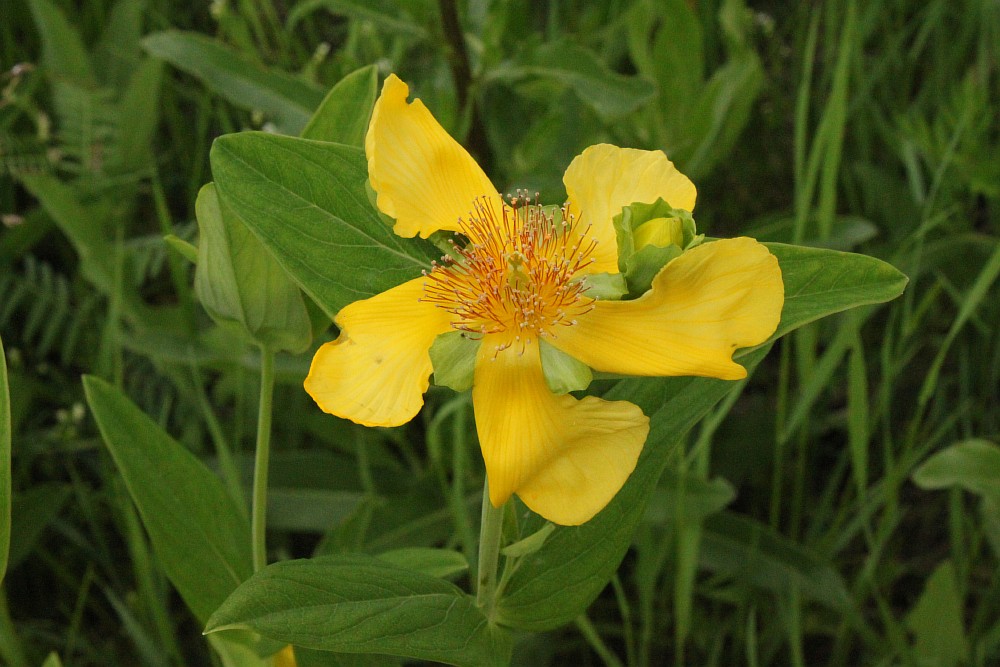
<point x="604" y="178"/>
<point x="565" y="458"/>
<point x="703" y="305"/>
<point x="422" y="176"/>
<point x="377" y="371"/>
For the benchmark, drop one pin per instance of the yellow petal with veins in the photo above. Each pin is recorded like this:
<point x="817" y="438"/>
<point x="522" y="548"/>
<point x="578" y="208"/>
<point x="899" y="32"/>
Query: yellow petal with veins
<point x="702" y="307"/>
<point x="605" y="178"/>
<point x="565" y="458"/>
<point x="422" y="176"/>
<point x="377" y="371"/>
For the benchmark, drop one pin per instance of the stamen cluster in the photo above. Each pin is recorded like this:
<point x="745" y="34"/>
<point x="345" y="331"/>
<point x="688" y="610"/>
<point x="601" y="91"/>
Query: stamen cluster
<point x="518" y="273"/>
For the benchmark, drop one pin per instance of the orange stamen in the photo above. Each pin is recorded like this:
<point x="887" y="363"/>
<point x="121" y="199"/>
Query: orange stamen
<point x="515" y="275"/>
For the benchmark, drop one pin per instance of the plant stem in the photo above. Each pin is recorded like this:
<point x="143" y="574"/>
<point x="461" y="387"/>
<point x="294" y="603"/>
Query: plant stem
<point x="593" y="638"/>
<point x="490" y="531"/>
<point x="262" y="460"/>
<point x="461" y="70"/>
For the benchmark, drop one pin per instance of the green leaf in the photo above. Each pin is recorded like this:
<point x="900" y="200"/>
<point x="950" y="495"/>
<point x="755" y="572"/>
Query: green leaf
<point x="237" y="280"/>
<point x="821" y="282"/>
<point x="440" y="563"/>
<point x="973" y="465"/>
<point x="698" y="498"/>
<point x="678" y="54"/>
<point x="381" y="13"/>
<point x="306" y="202"/>
<point x="197" y="532"/>
<point x="936" y="620"/>
<point x="234" y="653"/>
<point x="721" y="113"/>
<point x="343" y="115"/>
<point x="77" y="222"/>
<point x="309" y="510"/>
<point x="63" y="52"/>
<point x="5" y="490"/>
<point x="566" y="63"/>
<point x="120" y="48"/>
<point x="847" y="231"/>
<point x="289" y="101"/>
<point x="82" y="225"/>
<point x="752" y="553"/>
<point x="32" y="511"/>
<point x="549" y="590"/>
<point x="306" y="657"/>
<point x="139" y="109"/>
<point x="989" y="509"/>
<point x="361" y="604"/>
<point x="52" y="660"/>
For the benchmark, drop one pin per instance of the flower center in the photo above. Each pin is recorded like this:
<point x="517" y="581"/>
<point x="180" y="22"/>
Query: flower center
<point x="516" y="273"/>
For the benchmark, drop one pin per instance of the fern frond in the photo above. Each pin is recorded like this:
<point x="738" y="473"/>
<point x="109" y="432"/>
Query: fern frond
<point x="147" y="255"/>
<point x="43" y="308"/>
<point x="86" y="129"/>
<point x="23" y="154"/>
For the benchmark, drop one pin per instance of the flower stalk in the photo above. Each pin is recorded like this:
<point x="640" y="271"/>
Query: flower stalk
<point x="490" y="533"/>
<point x="262" y="458"/>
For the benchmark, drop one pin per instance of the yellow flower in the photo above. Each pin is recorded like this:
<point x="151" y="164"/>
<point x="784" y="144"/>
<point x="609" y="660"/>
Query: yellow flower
<point x="515" y="283"/>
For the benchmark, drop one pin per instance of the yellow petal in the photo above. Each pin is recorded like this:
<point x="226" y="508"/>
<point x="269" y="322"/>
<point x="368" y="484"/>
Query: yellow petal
<point x="423" y="177"/>
<point x="377" y="370"/>
<point x="703" y="305"/>
<point x="565" y="458"/>
<point x="604" y="178"/>
<point x="660" y="232"/>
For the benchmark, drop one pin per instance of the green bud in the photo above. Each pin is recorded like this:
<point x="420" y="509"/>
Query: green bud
<point x="649" y="236"/>
<point x="238" y="281"/>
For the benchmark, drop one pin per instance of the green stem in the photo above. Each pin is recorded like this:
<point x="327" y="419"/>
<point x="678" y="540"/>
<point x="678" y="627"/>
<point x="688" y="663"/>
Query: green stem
<point x="262" y="460"/>
<point x="593" y="638"/>
<point x="459" y="466"/>
<point x="178" y="273"/>
<point x="490" y="532"/>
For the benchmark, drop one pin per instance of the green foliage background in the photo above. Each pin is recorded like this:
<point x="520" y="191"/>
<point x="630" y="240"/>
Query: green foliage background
<point x="842" y="507"/>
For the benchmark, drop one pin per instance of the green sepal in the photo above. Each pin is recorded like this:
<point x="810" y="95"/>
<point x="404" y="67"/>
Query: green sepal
<point x="453" y="356"/>
<point x="605" y="286"/>
<point x="563" y="373"/>
<point x="643" y="266"/>
<point x="344" y="113"/>
<point x="237" y="280"/>
<point x="529" y="544"/>
<point x="638" y="262"/>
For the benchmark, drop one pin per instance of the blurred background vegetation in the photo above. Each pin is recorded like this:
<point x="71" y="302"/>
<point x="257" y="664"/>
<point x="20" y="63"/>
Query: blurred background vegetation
<point x="841" y="508"/>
